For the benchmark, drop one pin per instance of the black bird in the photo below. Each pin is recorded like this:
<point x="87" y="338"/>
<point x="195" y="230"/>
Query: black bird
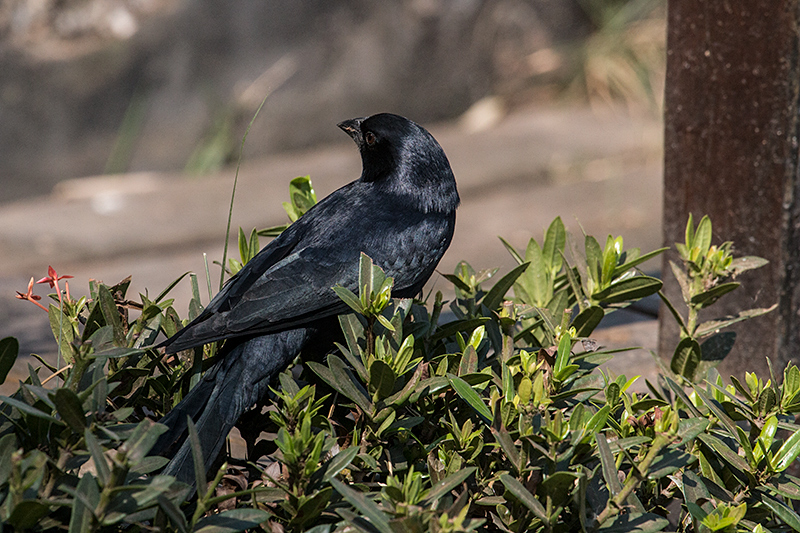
<point x="400" y="212"/>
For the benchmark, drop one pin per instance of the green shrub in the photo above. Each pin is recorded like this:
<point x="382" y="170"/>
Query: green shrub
<point x="498" y="419"/>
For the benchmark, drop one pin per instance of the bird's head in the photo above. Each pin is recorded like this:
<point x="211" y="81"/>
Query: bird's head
<point x="403" y="157"/>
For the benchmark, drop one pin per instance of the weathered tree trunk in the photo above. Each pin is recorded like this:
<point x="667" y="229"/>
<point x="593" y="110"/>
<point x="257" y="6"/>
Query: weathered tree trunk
<point x="731" y="151"/>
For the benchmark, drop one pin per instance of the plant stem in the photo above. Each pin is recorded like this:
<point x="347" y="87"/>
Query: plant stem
<point x="637" y="475"/>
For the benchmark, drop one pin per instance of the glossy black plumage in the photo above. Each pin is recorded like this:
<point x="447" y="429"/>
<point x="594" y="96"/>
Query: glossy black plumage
<point x="400" y="212"/>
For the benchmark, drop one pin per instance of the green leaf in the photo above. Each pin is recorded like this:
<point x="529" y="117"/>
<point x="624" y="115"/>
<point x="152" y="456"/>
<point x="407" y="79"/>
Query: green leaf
<point x="683" y="281"/>
<point x="495" y="296"/>
<point x="69" y="407"/>
<point x="338" y="376"/>
<point x="690" y="428"/>
<point x="557" y="487"/>
<point x="444" y="486"/>
<point x="782" y="511"/>
<point x="27" y="513"/>
<point x="689" y="232"/>
<point x="29" y="409"/>
<point x="563" y="354"/>
<point x="629" y="289"/>
<point x="594" y="259"/>
<point x="538" y="275"/>
<point x="142" y="439"/>
<point x="109" y="308"/>
<point x="197" y="457"/>
<point x="638" y="261"/>
<point x="609" y="260"/>
<point x="457" y="326"/>
<point x="524" y="496"/>
<point x="8" y="444"/>
<point x="99" y="459"/>
<point x="680" y="393"/>
<point x="598" y="420"/>
<point x="514" y="253"/>
<point x="365" y="506"/>
<point x="243" y="248"/>
<point x="587" y="320"/>
<point x="301" y="196"/>
<point x="507" y="445"/>
<point x="254" y="244"/>
<point x="232" y="521"/>
<point x="381" y="378"/>
<point x="635" y="523"/>
<point x="702" y="236"/>
<point x="472" y="398"/>
<point x="62" y="332"/>
<point x="469" y="361"/>
<point x="553" y="248"/>
<point x="738" y="465"/>
<point x="348" y="297"/>
<point x="339" y="462"/>
<point x="87" y="496"/>
<point x="173" y="512"/>
<point x="671" y="460"/>
<point x="787" y="453"/>
<point x="686" y="358"/>
<point x="706" y="298"/>
<point x="609" y="467"/>
<point x="718" y="411"/>
<point x="742" y="264"/>
<point x="9" y="348"/>
<point x="706" y="328"/>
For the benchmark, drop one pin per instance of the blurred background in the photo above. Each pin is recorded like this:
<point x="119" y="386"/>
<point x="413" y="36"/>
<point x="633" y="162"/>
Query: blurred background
<point x="121" y="122"/>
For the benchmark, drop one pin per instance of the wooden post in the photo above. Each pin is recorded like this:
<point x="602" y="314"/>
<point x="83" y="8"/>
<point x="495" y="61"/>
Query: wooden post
<point x="731" y="151"/>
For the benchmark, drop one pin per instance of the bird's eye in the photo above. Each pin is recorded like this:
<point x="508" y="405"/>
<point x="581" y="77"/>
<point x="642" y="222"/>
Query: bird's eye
<point x="369" y="138"/>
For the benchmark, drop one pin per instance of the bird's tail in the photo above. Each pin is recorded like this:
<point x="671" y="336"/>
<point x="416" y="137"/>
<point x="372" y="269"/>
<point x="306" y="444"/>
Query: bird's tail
<point x="228" y="389"/>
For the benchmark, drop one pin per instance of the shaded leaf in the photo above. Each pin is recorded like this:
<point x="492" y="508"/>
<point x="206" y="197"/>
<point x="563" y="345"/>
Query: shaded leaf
<point x="494" y="297"/>
<point x="232" y="521"/>
<point x="472" y="398"/>
<point x="629" y="289"/>
<point x="514" y="253"/>
<point x="782" y="511"/>
<point x="348" y="297"/>
<point x="339" y="462"/>
<point x="787" y="453"/>
<point x="382" y="378"/>
<point x="444" y="486"/>
<point x="367" y="507"/>
<point x="686" y="358"/>
<point x="587" y="320"/>
<point x="637" y="261"/>
<point x="706" y="298"/>
<point x="27" y="513"/>
<point x="70" y="409"/>
<point x="524" y="496"/>
<point x="87" y="496"/>
<point x="636" y="523"/>
<point x="715" y="348"/>
<point x="99" y="459"/>
<point x="749" y="262"/>
<point x="29" y="409"/>
<point x="609" y="467"/>
<point x="9" y="348"/>
<point x="706" y="328"/>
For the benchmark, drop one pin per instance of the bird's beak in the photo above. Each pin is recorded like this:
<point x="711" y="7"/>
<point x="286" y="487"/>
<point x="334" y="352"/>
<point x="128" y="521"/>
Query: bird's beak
<point x="352" y="127"/>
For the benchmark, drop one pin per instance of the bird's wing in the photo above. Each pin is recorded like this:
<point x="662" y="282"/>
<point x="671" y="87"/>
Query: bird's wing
<point x="289" y="283"/>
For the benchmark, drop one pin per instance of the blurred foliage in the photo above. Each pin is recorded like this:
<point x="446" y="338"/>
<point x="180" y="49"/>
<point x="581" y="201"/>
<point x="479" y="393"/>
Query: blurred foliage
<point x="624" y="56"/>
<point x="499" y="419"/>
